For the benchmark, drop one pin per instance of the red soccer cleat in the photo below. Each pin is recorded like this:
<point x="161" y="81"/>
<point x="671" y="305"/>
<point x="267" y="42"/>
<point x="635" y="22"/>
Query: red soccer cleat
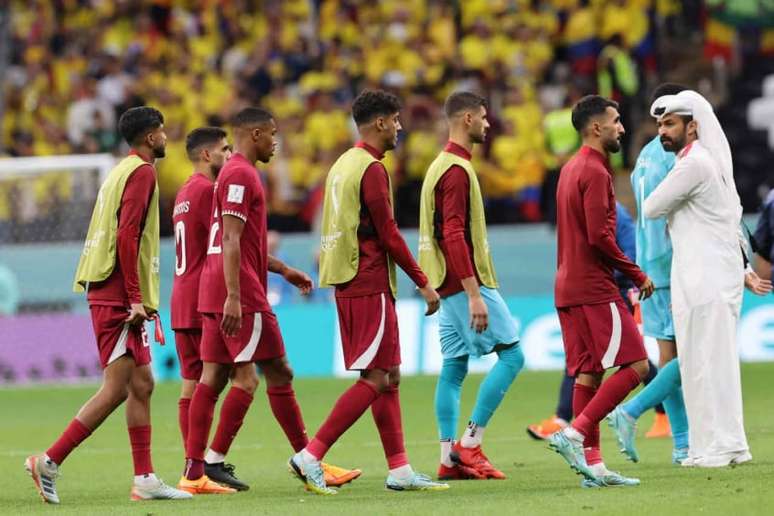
<point x="458" y="472"/>
<point x="475" y="458"/>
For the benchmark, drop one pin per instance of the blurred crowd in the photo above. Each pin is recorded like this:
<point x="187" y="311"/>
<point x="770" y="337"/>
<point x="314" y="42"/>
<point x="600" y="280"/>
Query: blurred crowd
<point x="75" y="65"/>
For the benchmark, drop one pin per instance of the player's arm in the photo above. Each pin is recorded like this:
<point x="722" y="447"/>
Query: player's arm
<point x="232" y="258"/>
<point x="134" y="205"/>
<point x="682" y="182"/>
<point x="600" y="235"/>
<point x="295" y="277"/>
<point x="376" y="196"/>
<point x="455" y="195"/>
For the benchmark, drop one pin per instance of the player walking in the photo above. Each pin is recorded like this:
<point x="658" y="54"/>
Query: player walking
<point x="597" y="329"/>
<point x="360" y="246"/>
<point x="119" y="267"/>
<point x="474" y="319"/>
<point x="239" y="330"/>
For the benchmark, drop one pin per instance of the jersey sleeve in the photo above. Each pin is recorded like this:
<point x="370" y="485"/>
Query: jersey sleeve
<point x="134" y="206"/>
<point x="237" y="192"/>
<point x="455" y="192"/>
<point x="600" y="230"/>
<point x="376" y="196"/>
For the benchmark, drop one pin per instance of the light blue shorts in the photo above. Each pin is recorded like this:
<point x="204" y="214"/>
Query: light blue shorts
<point x="657" y="315"/>
<point x="459" y="339"/>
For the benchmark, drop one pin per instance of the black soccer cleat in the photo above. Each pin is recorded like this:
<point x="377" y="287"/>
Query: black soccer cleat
<point x="224" y="474"/>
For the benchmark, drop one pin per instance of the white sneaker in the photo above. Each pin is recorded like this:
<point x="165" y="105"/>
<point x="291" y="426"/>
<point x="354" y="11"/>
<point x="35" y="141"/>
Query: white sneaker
<point x="157" y="491"/>
<point x="44" y="472"/>
<point x="741" y="458"/>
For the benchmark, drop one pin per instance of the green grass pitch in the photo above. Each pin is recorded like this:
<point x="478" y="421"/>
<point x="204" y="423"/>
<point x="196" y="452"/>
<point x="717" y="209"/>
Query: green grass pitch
<point x="96" y="478"/>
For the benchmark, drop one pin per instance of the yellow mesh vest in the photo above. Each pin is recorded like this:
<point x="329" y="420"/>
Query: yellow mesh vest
<point x="339" y="251"/>
<point x="99" y="251"/>
<point x="431" y="258"/>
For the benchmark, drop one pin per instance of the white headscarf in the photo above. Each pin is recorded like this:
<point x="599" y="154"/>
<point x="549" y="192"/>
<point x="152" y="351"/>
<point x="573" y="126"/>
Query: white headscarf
<point x="711" y="135"/>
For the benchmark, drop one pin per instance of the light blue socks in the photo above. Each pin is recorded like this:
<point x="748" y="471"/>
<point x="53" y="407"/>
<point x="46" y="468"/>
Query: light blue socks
<point x="447" y="396"/>
<point x="665" y="388"/>
<point x="496" y="384"/>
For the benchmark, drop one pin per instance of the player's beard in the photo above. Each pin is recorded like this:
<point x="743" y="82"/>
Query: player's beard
<point x="159" y="152"/>
<point x="478" y="136"/>
<point x="672" y="145"/>
<point x="612" y="145"/>
<point x="215" y="169"/>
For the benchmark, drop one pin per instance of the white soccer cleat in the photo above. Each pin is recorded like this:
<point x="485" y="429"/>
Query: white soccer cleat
<point x="44" y="472"/>
<point x="157" y="490"/>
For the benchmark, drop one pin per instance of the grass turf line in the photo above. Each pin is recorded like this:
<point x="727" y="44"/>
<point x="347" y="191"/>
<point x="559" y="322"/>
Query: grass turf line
<point x="97" y="476"/>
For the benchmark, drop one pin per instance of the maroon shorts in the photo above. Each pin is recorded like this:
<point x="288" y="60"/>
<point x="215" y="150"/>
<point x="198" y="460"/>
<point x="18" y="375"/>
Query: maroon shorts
<point x="598" y="337"/>
<point x="187" y="343"/>
<point x="258" y="339"/>
<point x="115" y="338"/>
<point x="369" y="332"/>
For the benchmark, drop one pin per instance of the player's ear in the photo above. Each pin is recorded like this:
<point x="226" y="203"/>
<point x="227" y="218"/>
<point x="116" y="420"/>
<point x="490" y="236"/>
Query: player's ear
<point x="692" y="127"/>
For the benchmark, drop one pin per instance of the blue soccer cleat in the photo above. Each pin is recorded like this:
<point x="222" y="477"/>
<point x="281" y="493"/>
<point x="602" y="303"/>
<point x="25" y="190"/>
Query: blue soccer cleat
<point x="571" y="451"/>
<point x="679" y="455"/>
<point x="625" y="428"/>
<point x="610" y="479"/>
<point x="310" y="474"/>
<point x="416" y="482"/>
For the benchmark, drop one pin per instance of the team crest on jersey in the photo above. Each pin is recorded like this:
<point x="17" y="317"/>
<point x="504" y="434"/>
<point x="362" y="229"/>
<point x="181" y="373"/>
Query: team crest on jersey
<point x="236" y="193"/>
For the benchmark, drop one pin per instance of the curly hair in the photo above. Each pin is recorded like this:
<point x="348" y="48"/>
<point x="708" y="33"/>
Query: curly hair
<point x="139" y="121"/>
<point x="373" y="103"/>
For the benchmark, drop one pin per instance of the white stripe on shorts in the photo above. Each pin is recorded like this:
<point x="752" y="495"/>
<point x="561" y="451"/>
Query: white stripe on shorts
<point x="369" y="354"/>
<point x="247" y="353"/>
<point x="119" y="349"/>
<point x="615" y="339"/>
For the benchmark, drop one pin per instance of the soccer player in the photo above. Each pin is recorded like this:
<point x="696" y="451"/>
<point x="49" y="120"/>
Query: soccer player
<point x="764" y="236"/>
<point x="474" y="319"/>
<point x="239" y="330"/>
<point x="120" y="268"/>
<point x="708" y="274"/>
<point x="208" y="149"/>
<point x="625" y="237"/>
<point x="597" y="329"/>
<point x="654" y="256"/>
<point x="360" y="246"/>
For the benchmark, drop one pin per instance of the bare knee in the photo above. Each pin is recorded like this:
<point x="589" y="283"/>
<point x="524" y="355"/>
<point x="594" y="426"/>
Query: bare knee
<point x="276" y="372"/>
<point x="394" y="377"/>
<point x="142" y="385"/>
<point x="379" y="378"/>
<point x="641" y="368"/>
<point x="593" y="380"/>
<point x="667" y="351"/>
<point x="187" y="389"/>
<point x="114" y="393"/>
<point x="245" y="377"/>
<point x="215" y="376"/>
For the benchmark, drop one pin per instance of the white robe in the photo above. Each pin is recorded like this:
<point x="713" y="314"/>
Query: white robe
<point x="707" y="278"/>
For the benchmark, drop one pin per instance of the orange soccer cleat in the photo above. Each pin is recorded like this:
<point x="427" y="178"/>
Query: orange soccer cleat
<point x="203" y="485"/>
<point x="458" y="472"/>
<point x="660" y="427"/>
<point x="544" y="429"/>
<point x="337" y="477"/>
<point x="475" y="458"/>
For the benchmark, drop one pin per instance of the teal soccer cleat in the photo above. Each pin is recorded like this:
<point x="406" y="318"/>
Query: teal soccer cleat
<point x="625" y="428"/>
<point x="679" y="455"/>
<point x="571" y="450"/>
<point x="310" y="474"/>
<point x="416" y="482"/>
<point x="610" y="479"/>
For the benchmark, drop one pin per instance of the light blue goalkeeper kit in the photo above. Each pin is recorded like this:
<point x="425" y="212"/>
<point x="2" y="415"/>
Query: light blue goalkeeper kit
<point x="654" y="256"/>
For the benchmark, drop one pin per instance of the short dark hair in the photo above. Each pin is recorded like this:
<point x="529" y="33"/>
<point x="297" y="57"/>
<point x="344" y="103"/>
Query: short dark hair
<point x="667" y="88"/>
<point x="138" y="121"/>
<point x="374" y="103"/>
<point x="462" y="101"/>
<point x="250" y="117"/>
<point x="200" y="137"/>
<point x="587" y="108"/>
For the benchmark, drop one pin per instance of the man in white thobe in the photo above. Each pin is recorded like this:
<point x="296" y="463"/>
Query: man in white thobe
<point x="709" y="273"/>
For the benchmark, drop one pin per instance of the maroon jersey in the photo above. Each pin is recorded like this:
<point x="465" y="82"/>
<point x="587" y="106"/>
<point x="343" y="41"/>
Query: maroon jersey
<point x="238" y="193"/>
<point x="378" y="236"/>
<point x="191" y="221"/>
<point x="585" y="229"/>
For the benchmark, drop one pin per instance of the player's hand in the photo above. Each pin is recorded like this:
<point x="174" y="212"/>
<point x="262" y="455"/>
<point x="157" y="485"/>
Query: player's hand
<point x="432" y="299"/>
<point x="137" y="315"/>
<point x="299" y="279"/>
<point x="479" y="314"/>
<point x="232" y="316"/>
<point x="756" y="284"/>
<point x="646" y="289"/>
